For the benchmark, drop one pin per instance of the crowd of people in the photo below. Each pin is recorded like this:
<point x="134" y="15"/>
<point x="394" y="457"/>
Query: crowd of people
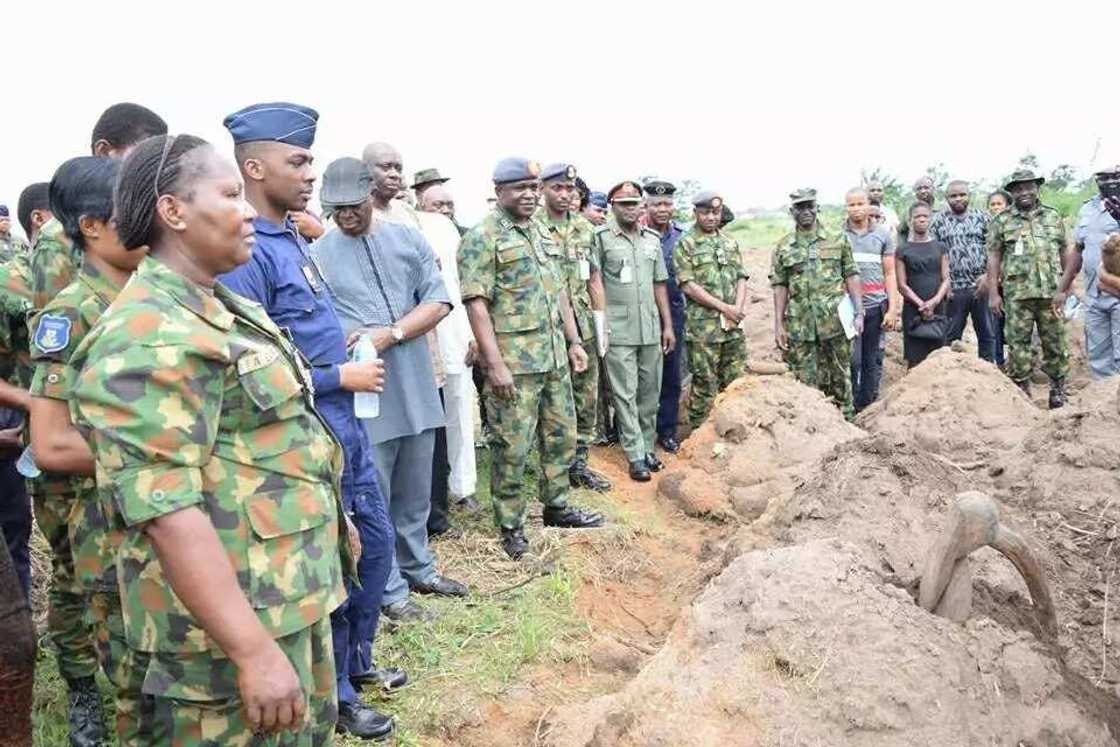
<point x="229" y="512"/>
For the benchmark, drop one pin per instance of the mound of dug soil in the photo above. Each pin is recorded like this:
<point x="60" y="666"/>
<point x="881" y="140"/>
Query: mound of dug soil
<point x="807" y="645"/>
<point x="956" y="405"/>
<point x="762" y="431"/>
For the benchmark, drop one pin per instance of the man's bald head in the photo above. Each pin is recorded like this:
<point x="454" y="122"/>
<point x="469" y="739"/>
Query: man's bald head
<point x="437" y="199"/>
<point x="923" y="190"/>
<point x="386" y="169"/>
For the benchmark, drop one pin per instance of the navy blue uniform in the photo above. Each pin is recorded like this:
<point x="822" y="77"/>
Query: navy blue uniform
<point x="669" y="407"/>
<point x="283" y="279"/>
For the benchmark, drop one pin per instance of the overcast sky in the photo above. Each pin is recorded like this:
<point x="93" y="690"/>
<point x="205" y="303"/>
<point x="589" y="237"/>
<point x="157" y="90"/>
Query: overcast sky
<point x="750" y="99"/>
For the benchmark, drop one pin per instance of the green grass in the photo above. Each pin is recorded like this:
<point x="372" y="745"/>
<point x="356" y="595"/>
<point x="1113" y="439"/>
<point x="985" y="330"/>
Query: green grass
<point x="518" y="615"/>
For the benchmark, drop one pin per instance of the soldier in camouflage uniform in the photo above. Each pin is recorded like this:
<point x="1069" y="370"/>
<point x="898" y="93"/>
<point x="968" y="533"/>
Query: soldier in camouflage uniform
<point x="513" y="286"/>
<point x="709" y="269"/>
<point x="571" y="233"/>
<point x="200" y="415"/>
<point x="9" y="245"/>
<point x="809" y="272"/>
<point x="1025" y="246"/>
<point x="85" y="184"/>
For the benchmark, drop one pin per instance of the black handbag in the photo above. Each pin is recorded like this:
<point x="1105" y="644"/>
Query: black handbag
<point x="934" y="328"/>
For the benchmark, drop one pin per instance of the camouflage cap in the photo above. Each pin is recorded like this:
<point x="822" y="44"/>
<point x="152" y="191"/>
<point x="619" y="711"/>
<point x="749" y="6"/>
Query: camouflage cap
<point x="805" y="194"/>
<point x="514" y="169"/>
<point x="558" y="171"/>
<point x="1111" y="170"/>
<point x="707" y="199"/>
<point x="424" y="177"/>
<point x="625" y="192"/>
<point x="1024" y="175"/>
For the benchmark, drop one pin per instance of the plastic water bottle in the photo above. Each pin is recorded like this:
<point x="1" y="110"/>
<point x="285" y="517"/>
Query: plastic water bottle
<point x="26" y="466"/>
<point x="366" y="404"/>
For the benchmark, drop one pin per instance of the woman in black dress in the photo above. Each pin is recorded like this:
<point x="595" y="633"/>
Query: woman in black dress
<point x="923" y="279"/>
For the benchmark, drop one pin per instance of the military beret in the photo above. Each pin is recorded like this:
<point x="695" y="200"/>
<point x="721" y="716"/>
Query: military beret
<point x="345" y="182"/>
<point x="707" y="199"/>
<point x="4" y="211"/>
<point x="278" y="122"/>
<point x="1023" y="175"/>
<point x="805" y="194"/>
<point x="510" y="170"/>
<point x="558" y="171"/>
<point x="599" y="200"/>
<point x="659" y="189"/>
<point x="424" y="177"/>
<point x="625" y="192"/>
<point x="1112" y="170"/>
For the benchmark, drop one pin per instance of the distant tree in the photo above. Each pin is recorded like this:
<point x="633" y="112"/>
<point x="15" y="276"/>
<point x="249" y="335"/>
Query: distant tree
<point x="894" y="192"/>
<point x="940" y="176"/>
<point x="1028" y="161"/>
<point x="1063" y="177"/>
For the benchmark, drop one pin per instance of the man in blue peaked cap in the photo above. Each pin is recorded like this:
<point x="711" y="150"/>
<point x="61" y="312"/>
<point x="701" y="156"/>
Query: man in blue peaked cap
<point x="271" y="145"/>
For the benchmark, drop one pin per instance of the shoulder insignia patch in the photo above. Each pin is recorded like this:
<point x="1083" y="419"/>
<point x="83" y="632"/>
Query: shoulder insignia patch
<point x="52" y="334"/>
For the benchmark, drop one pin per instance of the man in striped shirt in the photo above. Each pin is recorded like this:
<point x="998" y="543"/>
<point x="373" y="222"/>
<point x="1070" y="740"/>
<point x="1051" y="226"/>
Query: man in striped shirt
<point x="873" y="247"/>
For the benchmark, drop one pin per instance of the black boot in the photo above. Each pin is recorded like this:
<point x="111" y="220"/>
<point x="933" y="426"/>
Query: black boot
<point x="639" y="471"/>
<point x="569" y="517"/>
<point x="1057" y="393"/>
<point x="363" y="722"/>
<point x="514" y="542"/>
<point x="86" y="719"/>
<point x="582" y="476"/>
<point x="655" y="464"/>
<point x="1025" y="386"/>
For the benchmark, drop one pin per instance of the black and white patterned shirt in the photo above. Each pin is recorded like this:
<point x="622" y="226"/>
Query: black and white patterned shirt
<point x="966" y="236"/>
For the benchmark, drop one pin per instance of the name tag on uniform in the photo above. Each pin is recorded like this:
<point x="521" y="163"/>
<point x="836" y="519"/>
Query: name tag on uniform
<point x="1018" y="248"/>
<point x="311" y="276"/>
<point x="584" y="270"/>
<point x="626" y="274"/>
<point x="255" y="360"/>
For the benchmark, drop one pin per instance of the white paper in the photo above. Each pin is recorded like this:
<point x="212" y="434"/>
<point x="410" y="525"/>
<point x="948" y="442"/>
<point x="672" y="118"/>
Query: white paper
<point x="847" y="312"/>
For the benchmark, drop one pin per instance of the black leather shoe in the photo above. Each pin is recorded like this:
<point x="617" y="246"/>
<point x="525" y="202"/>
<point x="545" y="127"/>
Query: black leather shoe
<point x="388" y="679"/>
<point x="655" y="464"/>
<point x="582" y="476"/>
<point x="363" y="722"/>
<point x="514" y="542"/>
<point x="670" y="444"/>
<point x="468" y="504"/>
<point x="1057" y="394"/>
<point x="440" y="586"/>
<point x="639" y="471"/>
<point x="86" y="719"/>
<point x="406" y="611"/>
<point x="570" y="517"/>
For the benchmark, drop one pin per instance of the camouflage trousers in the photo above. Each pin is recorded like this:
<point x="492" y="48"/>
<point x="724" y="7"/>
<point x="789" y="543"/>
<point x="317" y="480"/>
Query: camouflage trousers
<point x="713" y="365"/>
<point x="541" y="411"/>
<point x="585" y="390"/>
<point x="196" y="703"/>
<point x="125" y="669"/>
<point x="826" y="365"/>
<point x="1019" y="323"/>
<point x="67" y="628"/>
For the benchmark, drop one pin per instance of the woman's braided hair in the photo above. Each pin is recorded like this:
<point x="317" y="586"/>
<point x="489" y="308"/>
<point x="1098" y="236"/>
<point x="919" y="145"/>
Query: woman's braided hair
<point x="157" y="166"/>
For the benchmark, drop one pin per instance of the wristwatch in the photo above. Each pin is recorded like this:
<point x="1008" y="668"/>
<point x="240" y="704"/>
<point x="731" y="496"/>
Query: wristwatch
<point x="397" y="332"/>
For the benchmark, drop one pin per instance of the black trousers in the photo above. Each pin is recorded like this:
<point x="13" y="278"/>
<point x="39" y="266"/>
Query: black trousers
<point x="438" y="522"/>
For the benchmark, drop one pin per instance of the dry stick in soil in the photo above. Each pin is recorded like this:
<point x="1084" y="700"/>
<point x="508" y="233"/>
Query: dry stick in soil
<point x="1104" y="617"/>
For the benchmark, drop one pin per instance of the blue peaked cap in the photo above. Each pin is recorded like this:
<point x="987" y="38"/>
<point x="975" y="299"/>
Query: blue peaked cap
<point x="278" y="122"/>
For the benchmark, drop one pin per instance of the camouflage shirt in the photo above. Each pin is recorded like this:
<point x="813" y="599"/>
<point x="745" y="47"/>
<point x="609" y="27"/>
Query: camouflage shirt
<point x="1032" y="246"/>
<point x="813" y="265"/>
<point x="11" y="246"/>
<point x="57" y="331"/>
<point x="195" y="399"/>
<point x="518" y="271"/>
<point x="54" y="263"/>
<point x="573" y="237"/>
<point x="15" y="307"/>
<point x="715" y="263"/>
<point x="630" y="265"/>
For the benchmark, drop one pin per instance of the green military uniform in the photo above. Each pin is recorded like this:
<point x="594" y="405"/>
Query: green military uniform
<point x="717" y="355"/>
<point x="91" y="537"/>
<point x="518" y="271"/>
<point x="54" y="263"/>
<point x="193" y="399"/>
<point x="572" y="236"/>
<point x="813" y="266"/>
<point x="1032" y="245"/>
<point x="630" y="265"/>
<point x="11" y="246"/>
<point x="51" y="263"/>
